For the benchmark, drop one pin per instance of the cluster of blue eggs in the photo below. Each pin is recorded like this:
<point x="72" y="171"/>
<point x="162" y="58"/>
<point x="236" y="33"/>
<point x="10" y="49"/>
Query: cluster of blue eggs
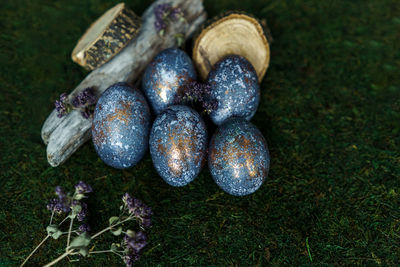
<point x="238" y="156"/>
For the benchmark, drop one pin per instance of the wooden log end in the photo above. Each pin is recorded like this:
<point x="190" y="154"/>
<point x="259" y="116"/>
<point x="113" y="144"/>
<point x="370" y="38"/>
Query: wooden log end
<point x="106" y="37"/>
<point x="233" y="33"/>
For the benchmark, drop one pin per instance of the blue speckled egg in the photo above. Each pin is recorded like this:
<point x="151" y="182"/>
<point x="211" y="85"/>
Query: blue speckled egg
<point x="166" y="76"/>
<point x="234" y="85"/>
<point x="121" y="126"/>
<point x="178" y="143"/>
<point x="238" y="157"/>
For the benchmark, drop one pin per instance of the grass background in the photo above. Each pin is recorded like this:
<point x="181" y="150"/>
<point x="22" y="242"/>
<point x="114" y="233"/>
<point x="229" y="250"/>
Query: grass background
<point x="330" y="111"/>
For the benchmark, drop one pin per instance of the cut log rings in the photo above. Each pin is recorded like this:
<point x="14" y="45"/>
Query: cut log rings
<point x="106" y="37"/>
<point x="232" y="33"/>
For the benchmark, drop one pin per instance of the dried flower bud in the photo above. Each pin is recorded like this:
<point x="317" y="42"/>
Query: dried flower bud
<point x="164" y="13"/>
<point x="83" y="188"/>
<point x="84" y="101"/>
<point x="198" y="92"/>
<point x="84" y="228"/>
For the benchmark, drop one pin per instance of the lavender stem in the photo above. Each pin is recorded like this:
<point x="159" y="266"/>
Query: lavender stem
<point x="110" y="227"/>
<point x="37" y="247"/>
<point x="69" y="231"/>
<point x="68" y="252"/>
<point x="105" y="251"/>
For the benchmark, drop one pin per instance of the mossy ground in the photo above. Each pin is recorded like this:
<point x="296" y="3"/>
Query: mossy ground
<point x="330" y="111"/>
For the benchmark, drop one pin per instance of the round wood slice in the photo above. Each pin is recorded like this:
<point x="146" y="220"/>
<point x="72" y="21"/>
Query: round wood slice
<point x="233" y="33"/>
<point x="106" y="37"/>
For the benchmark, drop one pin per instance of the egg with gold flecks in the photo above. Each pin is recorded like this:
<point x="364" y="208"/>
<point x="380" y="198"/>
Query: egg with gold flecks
<point x="178" y="143"/>
<point x="121" y="126"/>
<point x="234" y="85"/>
<point x="238" y="157"/>
<point x="165" y="78"/>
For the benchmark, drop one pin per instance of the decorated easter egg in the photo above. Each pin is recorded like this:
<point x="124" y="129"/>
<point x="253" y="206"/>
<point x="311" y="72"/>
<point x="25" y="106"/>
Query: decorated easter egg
<point x="166" y="76"/>
<point x="178" y="143"/>
<point x="121" y="126"/>
<point x="238" y="157"/>
<point x="234" y="85"/>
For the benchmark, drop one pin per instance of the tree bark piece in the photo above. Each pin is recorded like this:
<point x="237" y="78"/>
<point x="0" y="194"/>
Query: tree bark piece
<point x="106" y="37"/>
<point x="65" y="135"/>
<point x="232" y="33"/>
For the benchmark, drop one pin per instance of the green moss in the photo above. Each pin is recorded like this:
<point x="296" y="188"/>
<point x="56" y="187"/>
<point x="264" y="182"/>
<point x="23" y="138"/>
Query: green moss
<point x="330" y="111"/>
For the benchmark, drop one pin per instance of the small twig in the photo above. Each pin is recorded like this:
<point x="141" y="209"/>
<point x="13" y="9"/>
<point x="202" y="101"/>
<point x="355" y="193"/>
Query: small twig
<point x="101" y="177"/>
<point x="68" y="252"/>
<point x="149" y="250"/>
<point x="37" y="247"/>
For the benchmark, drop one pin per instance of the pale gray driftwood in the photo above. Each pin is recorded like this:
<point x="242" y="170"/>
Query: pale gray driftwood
<point x="65" y="135"/>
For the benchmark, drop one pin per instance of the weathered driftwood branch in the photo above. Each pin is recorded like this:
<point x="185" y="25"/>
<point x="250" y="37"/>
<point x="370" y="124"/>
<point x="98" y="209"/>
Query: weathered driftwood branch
<point x="65" y="135"/>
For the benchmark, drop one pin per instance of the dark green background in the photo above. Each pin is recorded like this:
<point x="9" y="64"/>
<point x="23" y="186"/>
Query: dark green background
<point x="330" y="111"/>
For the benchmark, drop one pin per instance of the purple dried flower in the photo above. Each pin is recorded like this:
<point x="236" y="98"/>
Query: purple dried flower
<point x="130" y="259"/>
<point x="164" y="13"/>
<point x="75" y="102"/>
<point x="209" y="105"/>
<point x="126" y="198"/>
<point x="84" y="101"/>
<point x="84" y="228"/>
<point x="83" y="188"/>
<point x="129" y="202"/>
<point x="87" y="112"/>
<point x="64" y="97"/>
<point x="89" y="96"/>
<point x="84" y="98"/>
<point x="83" y="213"/>
<point x="137" y="242"/>
<point x="60" y="192"/>
<point x="176" y="13"/>
<point x="140" y="236"/>
<point x="52" y="203"/>
<point x="159" y="25"/>
<point x="61" y="105"/>
<point x="138" y="209"/>
<point x="162" y="10"/>
<point x="146" y="222"/>
<point x="59" y="205"/>
<point x="198" y="92"/>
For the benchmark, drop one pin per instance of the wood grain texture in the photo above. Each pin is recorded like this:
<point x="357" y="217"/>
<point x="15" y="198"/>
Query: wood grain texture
<point x="233" y="33"/>
<point x="113" y="36"/>
<point x="65" y="135"/>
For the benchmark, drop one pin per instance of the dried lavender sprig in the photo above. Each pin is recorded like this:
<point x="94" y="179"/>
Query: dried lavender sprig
<point x="84" y="101"/>
<point x="138" y="209"/>
<point x="133" y="246"/>
<point x="83" y="188"/>
<point x="62" y="105"/>
<point x="132" y="243"/>
<point x="65" y="203"/>
<point x="164" y="14"/>
<point x="84" y="98"/>
<point x="84" y="228"/>
<point x="198" y="92"/>
<point x="83" y="213"/>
